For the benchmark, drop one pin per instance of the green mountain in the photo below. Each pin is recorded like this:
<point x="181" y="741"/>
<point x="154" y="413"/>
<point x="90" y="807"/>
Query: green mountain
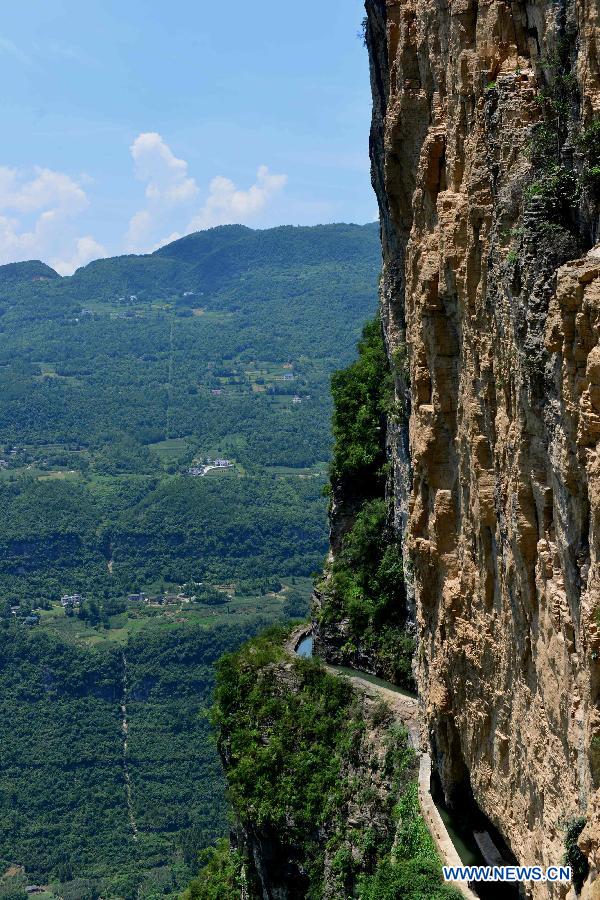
<point x="119" y="387"/>
<point x="24" y="273"/>
<point x="117" y="380"/>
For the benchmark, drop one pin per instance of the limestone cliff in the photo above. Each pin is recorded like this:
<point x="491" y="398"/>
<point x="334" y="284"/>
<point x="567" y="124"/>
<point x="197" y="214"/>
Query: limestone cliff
<point x="485" y="151"/>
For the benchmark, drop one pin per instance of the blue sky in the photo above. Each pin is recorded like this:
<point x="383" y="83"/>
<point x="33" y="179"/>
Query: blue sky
<point x="128" y="122"/>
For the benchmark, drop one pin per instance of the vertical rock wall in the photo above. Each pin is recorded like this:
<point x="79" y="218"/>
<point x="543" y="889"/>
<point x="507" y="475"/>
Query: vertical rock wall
<point x="497" y="472"/>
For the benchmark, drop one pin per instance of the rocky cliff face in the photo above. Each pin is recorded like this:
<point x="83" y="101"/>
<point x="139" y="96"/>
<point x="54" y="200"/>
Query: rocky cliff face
<point x="485" y="153"/>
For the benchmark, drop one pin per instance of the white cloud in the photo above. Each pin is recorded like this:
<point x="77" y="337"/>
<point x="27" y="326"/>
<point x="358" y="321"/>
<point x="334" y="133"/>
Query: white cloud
<point x="39" y="209"/>
<point x="226" y="204"/>
<point x="140" y="229"/>
<point x="166" y="175"/>
<point x="86" y="249"/>
<point x="36" y="215"/>
<point x="46" y="189"/>
<point x="170" y="188"/>
<point x="168" y="185"/>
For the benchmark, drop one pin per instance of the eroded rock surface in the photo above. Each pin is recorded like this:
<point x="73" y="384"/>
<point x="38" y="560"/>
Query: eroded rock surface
<point x="497" y="474"/>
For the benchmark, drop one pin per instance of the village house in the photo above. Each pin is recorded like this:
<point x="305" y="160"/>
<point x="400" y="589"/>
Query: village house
<point x="70" y="600"/>
<point x="197" y="471"/>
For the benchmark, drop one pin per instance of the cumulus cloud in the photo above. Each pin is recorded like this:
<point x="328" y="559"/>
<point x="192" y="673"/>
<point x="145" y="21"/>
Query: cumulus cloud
<point x="46" y="189"/>
<point x="40" y="208"/>
<point x="35" y="210"/>
<point x="226" y="204"/>
<point x="170" y="190"/>
<point x="168" y="185"/>
<point x="166" y="176"/>
<point x="140" y="229"/>
<point x="86" y="249"/>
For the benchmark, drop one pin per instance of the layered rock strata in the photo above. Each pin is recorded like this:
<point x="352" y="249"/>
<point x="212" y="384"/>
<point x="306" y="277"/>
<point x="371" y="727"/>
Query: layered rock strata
<point x="496" y="467"/>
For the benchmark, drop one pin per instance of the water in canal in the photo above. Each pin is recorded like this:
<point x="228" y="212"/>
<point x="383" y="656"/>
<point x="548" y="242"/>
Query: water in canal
<point x="305" y="647"/>
<point x="458" y="828"/>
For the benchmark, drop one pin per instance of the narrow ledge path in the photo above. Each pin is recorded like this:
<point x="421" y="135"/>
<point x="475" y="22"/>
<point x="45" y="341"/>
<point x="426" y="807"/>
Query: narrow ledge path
<point x="406" y="709"/>
<point x="126" y="774"/>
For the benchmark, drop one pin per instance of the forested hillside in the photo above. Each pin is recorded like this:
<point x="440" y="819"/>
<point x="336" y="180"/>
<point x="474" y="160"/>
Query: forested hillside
<point x="64" y="812"/>
<point x="130" y="561"/>
<point x="118" y="380"/>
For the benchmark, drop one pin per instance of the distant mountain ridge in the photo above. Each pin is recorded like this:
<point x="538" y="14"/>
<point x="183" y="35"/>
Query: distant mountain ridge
<point x="25" y="272"/>
<point x="187" y="248"/>
<point x="204" y="260"/>
<point x="117" y="384"/>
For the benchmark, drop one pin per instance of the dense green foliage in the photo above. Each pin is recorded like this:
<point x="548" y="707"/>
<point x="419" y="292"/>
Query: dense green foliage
<point x="361" y="397"/>
<point x="63" y="807"/>
<point x="412" y="870"/>
<point x="578" y="861"/>
<point x="221" y="876"/>
<point x="366" y="585"/>
<point x="113" y="383"/>
<point x="285" y="744"/>
<point x="63" y="533"/>
<point x="115" y="380"/>
<point x="286" y="779"/>
<point x="562" y="178"/>
<point x="61" y="778"/>
<point x="58" y="536"/>
<point x="294" y="740"/>
<point x="126" y="353"/>
<point x="588" y="143"/>
<point x="24" y="272"/>
<point x="365" y="582"/>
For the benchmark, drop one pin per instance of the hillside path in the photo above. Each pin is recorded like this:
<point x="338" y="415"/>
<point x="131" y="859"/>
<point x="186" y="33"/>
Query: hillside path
<point x="126" y="775"/>
<point x="407" y="710"/>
